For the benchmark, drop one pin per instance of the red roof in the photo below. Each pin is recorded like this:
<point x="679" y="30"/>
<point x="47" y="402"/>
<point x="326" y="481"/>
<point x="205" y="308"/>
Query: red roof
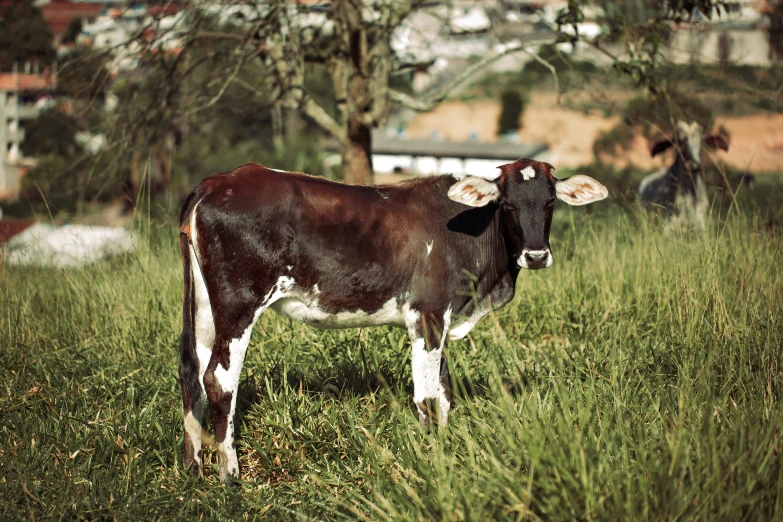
<point x="25" y="82"/>
<point x="168" y="9"/>
<point x="59" y="13"/>
<point x="9" y="228"/>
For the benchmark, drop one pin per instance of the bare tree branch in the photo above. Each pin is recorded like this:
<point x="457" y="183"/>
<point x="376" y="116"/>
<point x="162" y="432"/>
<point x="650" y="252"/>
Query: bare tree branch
<point x="218" y="35"/>
<point x="548" y="65"/>
<point x="319" y="115"/>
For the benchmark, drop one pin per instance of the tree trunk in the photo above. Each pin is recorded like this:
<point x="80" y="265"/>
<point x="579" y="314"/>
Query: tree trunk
<point x="357" y="155"/>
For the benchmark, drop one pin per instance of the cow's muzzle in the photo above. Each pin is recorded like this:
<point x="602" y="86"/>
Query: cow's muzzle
<point x="693" y="166"/>
<point x="535" y="259"/>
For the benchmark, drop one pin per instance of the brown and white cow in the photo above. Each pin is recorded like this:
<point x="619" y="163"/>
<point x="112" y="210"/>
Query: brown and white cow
<point x="679" y="190"/>
<point x="342" y="256"/>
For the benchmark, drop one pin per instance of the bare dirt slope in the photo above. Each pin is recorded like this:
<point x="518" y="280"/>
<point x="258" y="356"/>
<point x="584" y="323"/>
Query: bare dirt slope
<point x="756" y="140"/>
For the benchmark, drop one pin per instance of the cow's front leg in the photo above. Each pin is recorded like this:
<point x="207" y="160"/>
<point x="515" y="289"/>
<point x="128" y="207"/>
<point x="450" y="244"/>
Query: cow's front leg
<point x="431" y="382"/>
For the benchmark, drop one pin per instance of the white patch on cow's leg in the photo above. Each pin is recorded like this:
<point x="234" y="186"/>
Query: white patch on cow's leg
<point x="444" y="399"/>
<point x="429" y="247"/>
<point x="193" y="421"/>
<point x="227" y="379"/>
<point x="426" y="377"/>
<point x="427" y="384"/>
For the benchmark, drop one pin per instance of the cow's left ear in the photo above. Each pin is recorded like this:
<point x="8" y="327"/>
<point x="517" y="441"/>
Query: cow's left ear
<point x="716" y="142"/>
<point x="580" y="190"/>
<point x="660" y="147"/>
<point x="475" y="192"/>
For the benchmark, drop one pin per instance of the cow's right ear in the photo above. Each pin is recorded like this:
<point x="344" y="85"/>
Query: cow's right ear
<point x="716" y="141"/>
<point x="474" y="192"/>
<point x="660" y="147"/>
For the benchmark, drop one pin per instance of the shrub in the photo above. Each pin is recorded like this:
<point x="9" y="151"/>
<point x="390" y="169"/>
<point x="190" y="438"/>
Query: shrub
<point x="65" y="182"/>
<point x="52" y="132"/>
<point x="512" y="106"/>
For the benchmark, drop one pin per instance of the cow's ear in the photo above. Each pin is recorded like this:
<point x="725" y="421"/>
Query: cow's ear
<point x="580" y="190"/>
<point x="716" y="142"/>
<point x="475" y="192"/>
<point x="660" y="147"/>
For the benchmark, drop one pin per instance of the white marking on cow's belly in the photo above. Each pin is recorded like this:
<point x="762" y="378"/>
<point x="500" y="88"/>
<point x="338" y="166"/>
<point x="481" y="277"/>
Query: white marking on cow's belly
<point x="305" y="308"/>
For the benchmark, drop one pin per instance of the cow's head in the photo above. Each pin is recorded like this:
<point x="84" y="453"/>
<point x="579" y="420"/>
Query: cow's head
<point x="526" y="191"/>
<point x="688" y="138"/>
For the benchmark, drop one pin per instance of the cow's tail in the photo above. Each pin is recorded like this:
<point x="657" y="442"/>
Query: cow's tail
<point x="188" y="367"/>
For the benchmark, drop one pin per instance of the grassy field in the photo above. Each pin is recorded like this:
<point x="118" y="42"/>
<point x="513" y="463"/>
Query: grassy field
<point x="639" y="378"/>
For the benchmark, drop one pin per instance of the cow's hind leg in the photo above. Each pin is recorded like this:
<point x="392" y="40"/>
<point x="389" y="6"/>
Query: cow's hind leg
<point x="221" y="379"/>
<point x="234" y="320"/>
<point x="431" y="381"/>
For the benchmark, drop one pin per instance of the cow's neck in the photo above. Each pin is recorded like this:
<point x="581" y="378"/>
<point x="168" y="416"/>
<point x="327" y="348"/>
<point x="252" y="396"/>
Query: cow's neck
<point x="499" y="269"/>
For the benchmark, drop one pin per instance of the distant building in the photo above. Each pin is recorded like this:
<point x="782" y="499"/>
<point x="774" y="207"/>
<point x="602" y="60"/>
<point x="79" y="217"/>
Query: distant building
<point x="432" y="157"/>
<point x="739" y="36"/>
<point x="59" y="13"/>
<point x="22" y="97"/>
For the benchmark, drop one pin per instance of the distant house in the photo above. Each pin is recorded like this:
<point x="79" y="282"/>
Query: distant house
<point x="22" y="97"/>
<point x="739" y="39"/>
<point x="431" y="157"/>
<point x="59" y="13"/>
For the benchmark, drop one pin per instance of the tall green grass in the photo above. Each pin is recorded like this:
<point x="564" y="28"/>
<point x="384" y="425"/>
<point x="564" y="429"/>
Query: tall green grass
<point x="638" y="378"/>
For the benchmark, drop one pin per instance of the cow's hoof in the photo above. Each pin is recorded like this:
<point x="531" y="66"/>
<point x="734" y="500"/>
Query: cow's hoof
<point x="230" y="481"/>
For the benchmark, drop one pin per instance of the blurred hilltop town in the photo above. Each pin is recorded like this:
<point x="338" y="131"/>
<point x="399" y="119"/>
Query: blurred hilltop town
<point x="63" y="98"/>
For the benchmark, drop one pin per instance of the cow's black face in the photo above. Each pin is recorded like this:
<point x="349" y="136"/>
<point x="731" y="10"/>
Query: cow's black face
<point x="527" y="191"/>
<point x="529" y="198"/>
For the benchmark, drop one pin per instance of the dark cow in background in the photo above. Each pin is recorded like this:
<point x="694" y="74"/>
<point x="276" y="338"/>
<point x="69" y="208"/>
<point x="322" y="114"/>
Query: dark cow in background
<point x="679" y="190"/>
<point x="341" y="256"/>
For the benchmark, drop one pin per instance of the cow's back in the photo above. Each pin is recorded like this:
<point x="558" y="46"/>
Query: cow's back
<point x="358" y="247"/>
